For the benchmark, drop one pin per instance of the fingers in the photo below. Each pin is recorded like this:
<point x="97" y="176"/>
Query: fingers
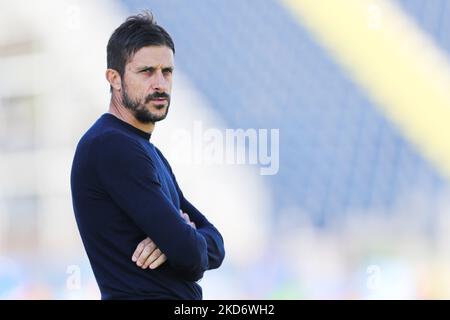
<point x="146" y="252"/>
<point x="139" y="249"/>
<point x="153" y="258"/>
<point x="161" y="259"/>
<point x="186" y="218"/>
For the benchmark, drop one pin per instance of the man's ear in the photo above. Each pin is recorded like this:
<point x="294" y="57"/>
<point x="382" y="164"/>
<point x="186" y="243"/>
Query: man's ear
<point x="114" y="79"/>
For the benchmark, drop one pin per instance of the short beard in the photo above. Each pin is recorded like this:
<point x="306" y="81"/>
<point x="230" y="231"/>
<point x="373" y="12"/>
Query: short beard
<point x="139" y="110"/>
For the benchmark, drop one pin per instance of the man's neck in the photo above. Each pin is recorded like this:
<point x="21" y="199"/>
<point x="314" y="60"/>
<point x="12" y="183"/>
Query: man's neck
<point x="117" y="109"/>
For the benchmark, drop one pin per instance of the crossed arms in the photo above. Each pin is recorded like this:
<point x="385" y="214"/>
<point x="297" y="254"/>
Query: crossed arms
<point x="148" y="255"/>
<point x="189" y="243"/>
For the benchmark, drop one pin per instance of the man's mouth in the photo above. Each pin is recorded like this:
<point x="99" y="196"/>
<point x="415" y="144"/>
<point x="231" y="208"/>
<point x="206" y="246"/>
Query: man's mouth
<point x="159" y="100"/>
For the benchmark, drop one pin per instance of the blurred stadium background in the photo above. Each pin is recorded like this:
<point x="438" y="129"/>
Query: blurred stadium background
<point x="359" y="90"/>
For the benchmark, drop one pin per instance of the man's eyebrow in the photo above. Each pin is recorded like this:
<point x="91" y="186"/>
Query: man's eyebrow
<point x="145" y="68"/>
<point x="150" y="68"/>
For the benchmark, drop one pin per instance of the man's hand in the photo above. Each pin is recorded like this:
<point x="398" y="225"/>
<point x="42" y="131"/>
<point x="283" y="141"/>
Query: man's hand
<point x="147" y="254"/>
<point x="187" y="219"/>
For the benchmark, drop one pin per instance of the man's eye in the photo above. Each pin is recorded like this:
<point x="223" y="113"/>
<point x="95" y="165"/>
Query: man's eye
<point x="147" y="71"/>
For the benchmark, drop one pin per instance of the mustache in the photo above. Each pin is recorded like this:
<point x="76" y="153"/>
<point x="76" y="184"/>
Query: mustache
<point x="157" y="95"/>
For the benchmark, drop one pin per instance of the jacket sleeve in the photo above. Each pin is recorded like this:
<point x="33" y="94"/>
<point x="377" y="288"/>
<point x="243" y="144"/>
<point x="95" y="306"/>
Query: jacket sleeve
<point x="129" y="176"/>
<point x="214" y="240"/>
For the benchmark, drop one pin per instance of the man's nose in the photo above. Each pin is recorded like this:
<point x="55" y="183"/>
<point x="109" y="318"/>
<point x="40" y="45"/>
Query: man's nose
<point x="159" y="83"/>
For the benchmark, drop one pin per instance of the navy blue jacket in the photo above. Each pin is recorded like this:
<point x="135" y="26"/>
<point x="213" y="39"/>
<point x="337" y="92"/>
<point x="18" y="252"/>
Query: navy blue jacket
<point x="123" y="190"/>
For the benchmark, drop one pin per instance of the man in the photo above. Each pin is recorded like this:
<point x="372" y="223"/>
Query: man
<point x="143" y="238"/>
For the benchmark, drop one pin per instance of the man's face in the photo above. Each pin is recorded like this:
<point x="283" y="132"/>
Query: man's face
<point x="147" y="83"/>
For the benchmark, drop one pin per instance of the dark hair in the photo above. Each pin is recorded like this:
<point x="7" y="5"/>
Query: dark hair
<point x="136" y="32"/>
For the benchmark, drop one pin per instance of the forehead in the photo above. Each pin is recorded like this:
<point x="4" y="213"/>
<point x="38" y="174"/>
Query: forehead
<point x="152" y="56"/>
